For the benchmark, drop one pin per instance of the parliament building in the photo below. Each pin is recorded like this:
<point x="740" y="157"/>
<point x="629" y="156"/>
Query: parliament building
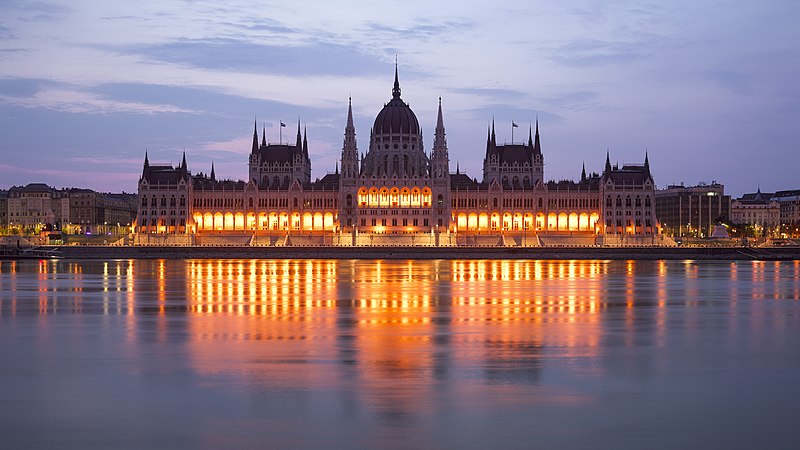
<point x="398" y="193"/>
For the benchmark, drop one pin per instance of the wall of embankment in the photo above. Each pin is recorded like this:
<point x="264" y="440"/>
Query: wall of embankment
<point x="614" y="253"/>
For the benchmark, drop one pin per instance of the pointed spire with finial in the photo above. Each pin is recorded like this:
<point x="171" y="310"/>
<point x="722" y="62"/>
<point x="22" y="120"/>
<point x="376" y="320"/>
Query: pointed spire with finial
<point x="350" y="113"/>
<point x="396" y="88"/>
<point x="255" y="135"/>
<point x="646" y="162"/>
<point x="146" y="167"/>
<point x="299" y="143"/>
<point x="608" y="162"/>
<point x="494" y="140"/>
<point x="305" y="142"/>
<point x="264" y="136"/>
<point x="537" y="146"/>
<point x="530" y="136"/>
<point x="183" y="160"/>
<point x="439" y="139"/>
<point x="583" y="171"/>
<point x="458" y="168"/>
<point x="213" y="176"/>
<point x="337" y="168"/>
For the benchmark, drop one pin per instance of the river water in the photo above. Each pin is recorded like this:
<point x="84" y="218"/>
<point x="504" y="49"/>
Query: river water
<point x="399" y="354"/>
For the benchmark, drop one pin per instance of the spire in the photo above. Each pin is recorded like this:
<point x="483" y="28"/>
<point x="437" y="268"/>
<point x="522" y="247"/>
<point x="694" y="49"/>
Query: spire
<point x="213" y="177"/>
<point x="583" y="171"/>
<point x="458" y="168"/>
<point x="440" y="120"/>
<point x="530" y="138"/>
<point x="537" y="146"/>
<point x="183" y="160"/>
<point x="264" y="136"/>
<point x="439" y="140"/>
<point x="350" y="113"/>
<point x="255" y="136"/>
<point x="146" y="167"/>
<point x="337" y="168"/>
<point x="494" y="141"/>
<point x="299" y="143"/>
<point x="646" y="162"/>
<point x="608" y="163"/>
<point x="396" y="88"/>
<point x="305" y="142"/>
<point x="488" y="134"/>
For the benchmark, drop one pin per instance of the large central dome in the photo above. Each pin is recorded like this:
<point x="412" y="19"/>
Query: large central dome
<point x="396" y="117"/>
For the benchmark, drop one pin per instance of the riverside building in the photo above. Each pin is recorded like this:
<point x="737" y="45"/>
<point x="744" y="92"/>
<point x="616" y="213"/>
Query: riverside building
<point x="398" y="193"/>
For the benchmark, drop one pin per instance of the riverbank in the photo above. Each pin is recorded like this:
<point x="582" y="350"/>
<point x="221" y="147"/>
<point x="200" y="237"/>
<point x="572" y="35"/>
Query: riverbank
<point x="613" y="253"/>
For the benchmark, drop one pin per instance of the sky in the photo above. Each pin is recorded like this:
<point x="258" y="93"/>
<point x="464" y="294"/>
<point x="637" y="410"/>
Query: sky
<point x="709" y="89"/>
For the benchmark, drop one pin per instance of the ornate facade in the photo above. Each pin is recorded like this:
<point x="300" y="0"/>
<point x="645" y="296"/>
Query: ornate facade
<point x="397" y="194"/>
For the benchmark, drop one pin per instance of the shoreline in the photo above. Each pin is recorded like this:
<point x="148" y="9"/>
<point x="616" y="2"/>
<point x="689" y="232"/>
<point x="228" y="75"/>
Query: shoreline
<point x="610" y="253"/>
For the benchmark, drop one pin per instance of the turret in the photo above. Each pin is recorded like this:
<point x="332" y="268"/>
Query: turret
<point x="537" y="146"/>
<point x="440" y="160"/>
<point x="255" y="137"/>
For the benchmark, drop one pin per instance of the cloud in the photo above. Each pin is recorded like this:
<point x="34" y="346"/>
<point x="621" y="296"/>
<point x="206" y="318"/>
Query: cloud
<point x="733" y="81"/>
<point x="592" y="52"/>
<point x="6" y="34"/>
<point x="496" y="94"/>
<point x="315" y="58"/>
<point x="85" y="102"/>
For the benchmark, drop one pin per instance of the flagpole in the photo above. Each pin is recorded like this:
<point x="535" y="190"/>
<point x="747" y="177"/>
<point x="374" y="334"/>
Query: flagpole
<point x="512" y="132"/>
<point x="280" y="132"/>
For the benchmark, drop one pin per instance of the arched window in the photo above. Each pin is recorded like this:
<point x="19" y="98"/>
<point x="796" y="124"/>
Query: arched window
<point x="608" y="201"/>
<point x="250" y="202"/>
<point x="541" y="202"/>
<point x="295" y="202"/>
<point x="163" y="200"/>
<point x="619" y="201"/>
<point x="144" y="201"/>
<point x="638" y="201"/>
<point x="628" y="201"/>
<point x="494" y="203"/>
<point x="647" y="201"/>
<point x="183" y="201"/>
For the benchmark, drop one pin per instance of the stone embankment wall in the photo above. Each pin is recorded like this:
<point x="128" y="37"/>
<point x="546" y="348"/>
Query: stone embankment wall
<point x="617" y="253"/>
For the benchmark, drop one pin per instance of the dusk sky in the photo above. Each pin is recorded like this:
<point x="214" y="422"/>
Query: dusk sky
<point x="709" y="88"/>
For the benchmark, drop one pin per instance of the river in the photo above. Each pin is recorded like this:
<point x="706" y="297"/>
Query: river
<point x="399" y="354"/>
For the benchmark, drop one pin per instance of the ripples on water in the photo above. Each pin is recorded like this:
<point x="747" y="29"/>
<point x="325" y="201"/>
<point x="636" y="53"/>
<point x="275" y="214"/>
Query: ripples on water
<point x="393" y="354"/>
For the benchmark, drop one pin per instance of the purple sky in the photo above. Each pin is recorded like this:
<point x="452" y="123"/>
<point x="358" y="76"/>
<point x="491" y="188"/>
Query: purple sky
<point x="709" y="88"/>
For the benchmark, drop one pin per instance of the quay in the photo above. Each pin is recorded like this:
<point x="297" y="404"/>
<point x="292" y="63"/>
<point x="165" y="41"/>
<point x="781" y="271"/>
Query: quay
<point x="544" y="253"/>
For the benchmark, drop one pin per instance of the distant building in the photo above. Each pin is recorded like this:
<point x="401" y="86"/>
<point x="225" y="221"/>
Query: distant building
<point x="92" y="212"/>
<point x="3" y="208"/>
<point x="692" y="210"/>
<point x="789" y="202"/>
<point x="398" y="194"/>
<point x="37" y="205"/>
<point x="758" y="209"/>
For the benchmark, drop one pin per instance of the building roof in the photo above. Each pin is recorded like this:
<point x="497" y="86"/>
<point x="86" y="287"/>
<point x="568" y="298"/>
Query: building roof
<point x="396" y="116"/>
<point x="462" y="182"/>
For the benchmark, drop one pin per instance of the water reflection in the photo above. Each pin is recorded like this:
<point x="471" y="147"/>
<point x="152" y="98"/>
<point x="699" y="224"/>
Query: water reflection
<point x="403" y="344"/>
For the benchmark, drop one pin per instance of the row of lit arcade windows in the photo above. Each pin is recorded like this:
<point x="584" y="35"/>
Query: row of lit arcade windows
<point x="396" y="198"/>
<point x="272" y="221"/>
<point x="524" y="222"/>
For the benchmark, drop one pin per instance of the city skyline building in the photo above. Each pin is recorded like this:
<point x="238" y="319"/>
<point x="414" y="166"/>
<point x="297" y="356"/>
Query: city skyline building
<point x="397" y="193"/>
